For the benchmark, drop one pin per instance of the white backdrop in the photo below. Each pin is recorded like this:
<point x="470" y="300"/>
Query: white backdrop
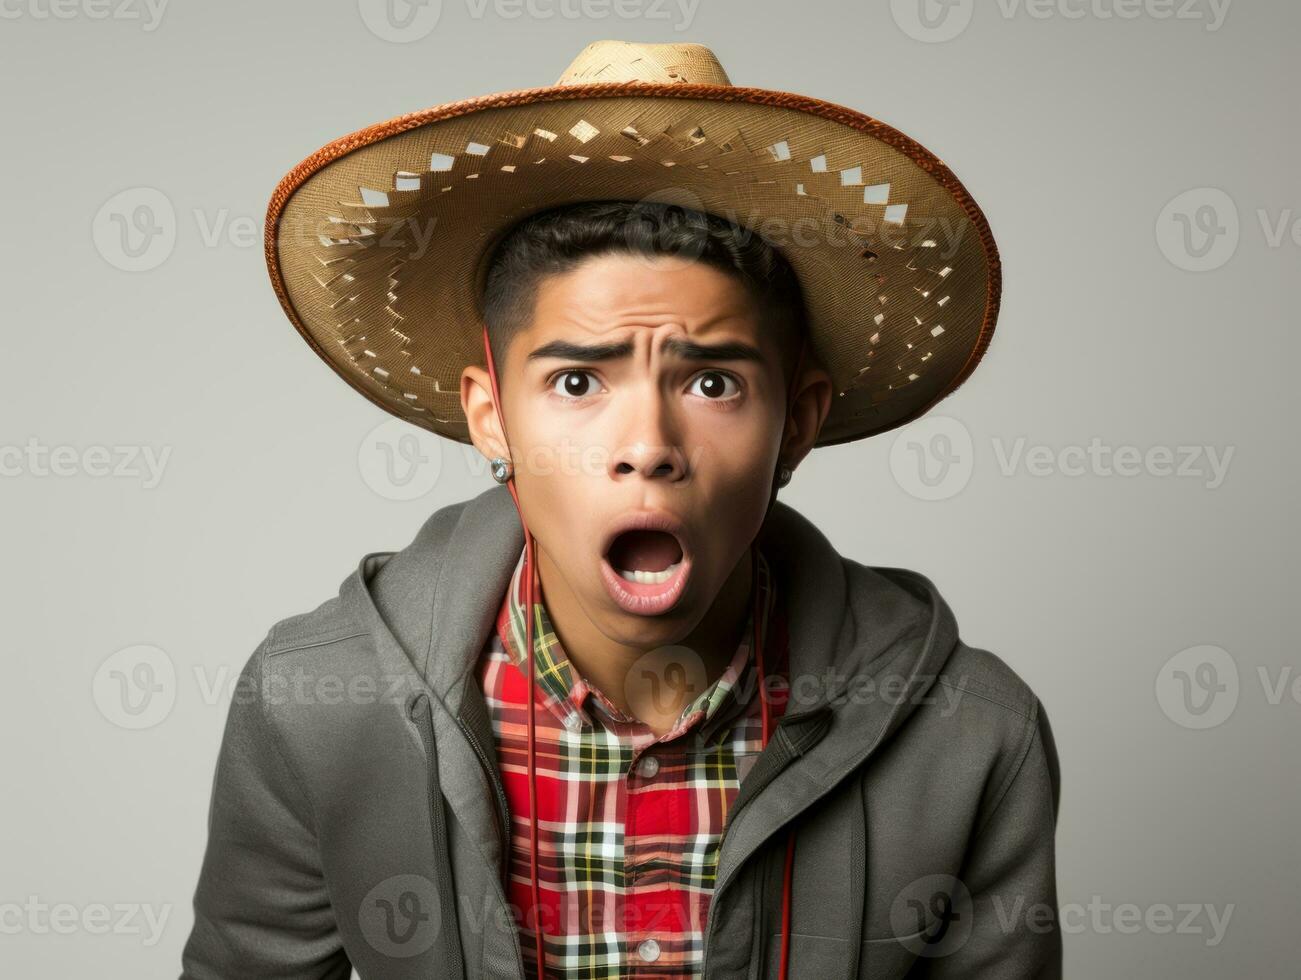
<point x="1116" y="481"/>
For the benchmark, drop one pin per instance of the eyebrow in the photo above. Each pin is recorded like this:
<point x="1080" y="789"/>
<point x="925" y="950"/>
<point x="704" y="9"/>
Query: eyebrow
<point x="686" y="349"/>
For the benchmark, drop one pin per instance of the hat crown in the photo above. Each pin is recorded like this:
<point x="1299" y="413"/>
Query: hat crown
<point x="634" y="61"/>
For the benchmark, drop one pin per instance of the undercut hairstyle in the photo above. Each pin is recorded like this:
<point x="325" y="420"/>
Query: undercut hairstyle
<point x="557" y="240"/>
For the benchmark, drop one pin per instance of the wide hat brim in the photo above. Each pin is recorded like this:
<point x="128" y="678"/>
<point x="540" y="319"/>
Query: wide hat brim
<point x="377" y="243"/>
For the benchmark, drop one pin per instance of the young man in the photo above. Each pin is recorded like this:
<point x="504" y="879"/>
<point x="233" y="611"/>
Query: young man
<point x="628" y="715"/>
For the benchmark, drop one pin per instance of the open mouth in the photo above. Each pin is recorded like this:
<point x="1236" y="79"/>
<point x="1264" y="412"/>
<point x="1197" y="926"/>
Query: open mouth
<point x="645" y="570"/>
<point x="650" y="557"/>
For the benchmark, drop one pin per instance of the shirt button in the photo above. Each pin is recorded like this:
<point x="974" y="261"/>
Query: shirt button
<point x="648" y="766"/>
<point x="648" y="950"/>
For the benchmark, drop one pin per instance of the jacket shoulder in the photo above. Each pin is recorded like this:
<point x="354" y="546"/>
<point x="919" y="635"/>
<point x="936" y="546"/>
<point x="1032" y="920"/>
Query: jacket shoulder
<point x="331" y="620"/>
<point x="1000" y="714"/>
<point x="327" y="622"/>
<point x="910" y="603"/>
<point x="1022" y="730"/>
<point x="982" y="674"/>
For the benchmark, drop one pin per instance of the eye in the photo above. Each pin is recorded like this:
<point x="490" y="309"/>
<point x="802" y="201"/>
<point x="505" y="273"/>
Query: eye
<point x="714" y="385"/>
<point x="573" y="383"/>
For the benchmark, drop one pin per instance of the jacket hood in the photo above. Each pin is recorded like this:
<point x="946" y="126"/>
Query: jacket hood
<point x="866" y="643"/>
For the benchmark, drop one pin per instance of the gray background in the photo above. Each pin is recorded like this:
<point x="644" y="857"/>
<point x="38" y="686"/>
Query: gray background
<point x="1074" y="134"/>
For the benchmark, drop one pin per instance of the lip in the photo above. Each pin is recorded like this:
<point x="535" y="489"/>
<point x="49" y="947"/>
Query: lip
<point x="640" y="598"/>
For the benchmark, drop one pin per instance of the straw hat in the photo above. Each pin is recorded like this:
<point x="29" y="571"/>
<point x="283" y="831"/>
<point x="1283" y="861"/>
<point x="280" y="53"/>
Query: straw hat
<point x="377" y="243"/>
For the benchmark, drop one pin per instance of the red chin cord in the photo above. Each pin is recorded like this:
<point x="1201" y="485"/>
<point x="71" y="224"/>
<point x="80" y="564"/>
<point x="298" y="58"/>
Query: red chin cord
<point x="532" y="589"/>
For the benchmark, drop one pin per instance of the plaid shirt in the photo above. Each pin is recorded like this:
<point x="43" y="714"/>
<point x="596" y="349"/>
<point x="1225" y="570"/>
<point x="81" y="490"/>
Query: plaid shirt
<point x="630" y="822"/>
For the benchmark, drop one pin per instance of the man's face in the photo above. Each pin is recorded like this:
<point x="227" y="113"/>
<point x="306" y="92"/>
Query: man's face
<point x="643" y="386"/>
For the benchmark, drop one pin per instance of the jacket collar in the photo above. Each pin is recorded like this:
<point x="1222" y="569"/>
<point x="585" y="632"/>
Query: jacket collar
<point x="567" y="694"/>
<point x="865" y="643"/>
<point x="458" y="567"/>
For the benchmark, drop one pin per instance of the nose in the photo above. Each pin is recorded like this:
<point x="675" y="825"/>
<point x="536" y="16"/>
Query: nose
<point x="654" y="461"/>
<point x="649" y="449"/>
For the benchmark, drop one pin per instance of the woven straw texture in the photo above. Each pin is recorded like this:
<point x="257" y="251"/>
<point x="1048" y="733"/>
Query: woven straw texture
<point x="377" y="243"/>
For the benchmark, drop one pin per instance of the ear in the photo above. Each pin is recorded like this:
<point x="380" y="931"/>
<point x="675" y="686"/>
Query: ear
<point x="481" y="412"/>
<point x="809" y="410"/>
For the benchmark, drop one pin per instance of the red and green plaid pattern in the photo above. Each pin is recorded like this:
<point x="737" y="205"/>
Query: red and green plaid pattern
<point x="627" y="850"/>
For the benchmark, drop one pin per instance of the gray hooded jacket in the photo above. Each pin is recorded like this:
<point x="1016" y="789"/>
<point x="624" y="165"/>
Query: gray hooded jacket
<point x="357" y="813"/>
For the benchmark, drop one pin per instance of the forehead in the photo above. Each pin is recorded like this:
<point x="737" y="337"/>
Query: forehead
<point x="616" y="292"/>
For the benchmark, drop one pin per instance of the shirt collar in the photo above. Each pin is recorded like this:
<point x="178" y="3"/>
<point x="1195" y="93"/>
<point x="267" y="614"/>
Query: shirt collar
<point x="574" y="701"/>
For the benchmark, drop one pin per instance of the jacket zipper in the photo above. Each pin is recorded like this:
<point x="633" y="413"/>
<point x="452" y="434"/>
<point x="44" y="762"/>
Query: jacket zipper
<point x="503" y="806"/>
<point x="504" y="825"/>
<point x="504" y="817"/>
<point x="712" y="921"/>
<point x="424" y="720"/>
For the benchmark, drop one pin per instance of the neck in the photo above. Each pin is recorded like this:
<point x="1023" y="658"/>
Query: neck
<point x="658" y="695"/>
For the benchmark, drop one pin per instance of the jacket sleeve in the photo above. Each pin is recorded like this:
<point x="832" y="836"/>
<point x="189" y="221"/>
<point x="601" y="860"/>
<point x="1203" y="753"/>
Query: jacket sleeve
<point x="261" y="908"/>
<point x="1010" y="875"/>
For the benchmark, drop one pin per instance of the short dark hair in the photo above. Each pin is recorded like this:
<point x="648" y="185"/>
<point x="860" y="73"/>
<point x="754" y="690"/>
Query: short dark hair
<point x="556" y="240"/>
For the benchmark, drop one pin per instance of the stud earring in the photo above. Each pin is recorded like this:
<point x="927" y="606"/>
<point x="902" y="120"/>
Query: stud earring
<point x="501" y="469"/>
<point x="784" y="476"/>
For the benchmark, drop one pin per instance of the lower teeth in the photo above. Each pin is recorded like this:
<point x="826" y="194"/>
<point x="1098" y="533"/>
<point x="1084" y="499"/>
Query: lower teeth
<point x="650" y="578"/>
